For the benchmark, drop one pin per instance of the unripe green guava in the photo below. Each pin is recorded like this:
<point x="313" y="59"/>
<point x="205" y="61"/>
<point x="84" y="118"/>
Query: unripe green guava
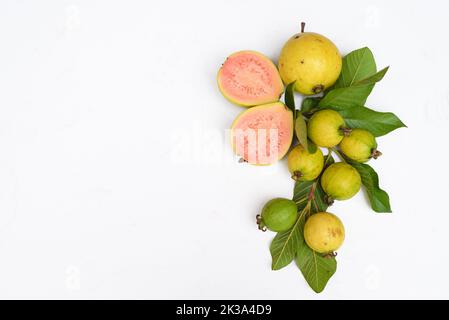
<point x="325" y="128"/>
<point x="341" y="181"/>
<point x="360" y="145"/>
<point x="324" y="232"/>
<point x="305" y="166"/>
<point x="278" y="215"/>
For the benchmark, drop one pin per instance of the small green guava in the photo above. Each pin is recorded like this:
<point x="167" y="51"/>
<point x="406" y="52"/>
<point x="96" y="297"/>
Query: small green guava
<point x="340" y="181"/>
<point x="324" y="232"/>
<point x="278" y="215"/>
<point x="303" y="165"/>
<point x="326" y="128"/>
<point x="360" y="145"/>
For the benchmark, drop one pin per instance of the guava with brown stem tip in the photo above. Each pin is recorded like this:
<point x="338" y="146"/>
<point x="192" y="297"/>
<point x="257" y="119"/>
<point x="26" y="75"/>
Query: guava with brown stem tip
<point x="326" y="128"/>
<point x="360" y="145"/>
<point x="248" y="78"/>
<point x="340" y="181"/>
<point x="310" y="59"/>
<point x="263" y="134"/>
<point x="303" y="165"/>
<point x="278" y="215"/>
<point x="324" y="232"/>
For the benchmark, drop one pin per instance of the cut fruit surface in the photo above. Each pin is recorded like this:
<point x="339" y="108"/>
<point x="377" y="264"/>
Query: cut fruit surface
<point x="249" y="78"/>
<point x="262" y="135"/>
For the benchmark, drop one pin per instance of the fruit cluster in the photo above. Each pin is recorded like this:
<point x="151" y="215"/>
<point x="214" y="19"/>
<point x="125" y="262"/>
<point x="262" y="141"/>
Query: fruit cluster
<point x="335" y="118"/>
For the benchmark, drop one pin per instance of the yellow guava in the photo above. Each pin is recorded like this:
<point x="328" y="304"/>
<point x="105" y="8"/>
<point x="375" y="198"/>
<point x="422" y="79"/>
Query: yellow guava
<point x="311" y="60"/>
<point x="326" y="128"/>
<point x="340" y="181"/>
<point x="303" y="165"/>
<point x="360" y="145"/>
<point x="324" y="232"/>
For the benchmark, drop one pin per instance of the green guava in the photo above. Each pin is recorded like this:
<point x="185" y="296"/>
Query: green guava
<point x="262" y="135"/>
<point x="360" y="145"/>
<point x="311" y="60"/>
<point x="324" y="232"/>
<point x="340" y="181"/>
<point x="305" y="166"/>
<point x="249" y="78"/>
<point x="326" y="128"/>
<point x="278" y="215"/>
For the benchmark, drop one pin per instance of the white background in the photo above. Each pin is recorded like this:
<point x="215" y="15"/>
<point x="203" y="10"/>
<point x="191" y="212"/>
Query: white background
<point x="116" y="180"/>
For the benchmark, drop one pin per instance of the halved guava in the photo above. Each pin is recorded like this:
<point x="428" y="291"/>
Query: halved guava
<point x="262" y="135"/>
<point x="249" y="78"/>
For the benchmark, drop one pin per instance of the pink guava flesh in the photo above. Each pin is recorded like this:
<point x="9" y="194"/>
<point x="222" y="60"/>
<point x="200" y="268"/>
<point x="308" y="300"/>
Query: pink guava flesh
<point x="262" y="135"/>
<point x="249" y="78"/>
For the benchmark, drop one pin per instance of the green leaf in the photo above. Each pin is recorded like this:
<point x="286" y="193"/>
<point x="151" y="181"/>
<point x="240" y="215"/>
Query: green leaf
<point x="301" y="130"/>
<point x="378" y="123"/>
<point x="311" y="146"/>
<point x="316" y="269"/>
<point x="308" y="104"/>
<point x="301" y="193"/>
<point x="357" y="65"/>
<point x="284" y="245"/>
<point x="379" y="199"/>
<point x="289" y="97"/>
<point x="319" y="203"/>
<point x="328" y="160"/>
<point x="356" y="81"/>
<point x="344" y="98"/>
<point x="374" y="78"/>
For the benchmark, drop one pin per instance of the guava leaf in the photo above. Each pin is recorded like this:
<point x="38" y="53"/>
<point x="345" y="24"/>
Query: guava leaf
<point x="309" y="104"/>
<point x="379" y="199"/>
<point x="356" y="81"/>
<point x="311" y="147"/>
<point x="357" y="65"/>
<point x="378" y="123"/>
<point x="284" y="245"/>
<point x="344" y="98"/>
<point x="289" y="98"/>
<point x="319" y="203"/>
<point x="301" y="193"/>
<point x="316" y="269"/>
<point x="328" y="160"/>
<point x="374" y="78"/>
<point x="301" y="130"/>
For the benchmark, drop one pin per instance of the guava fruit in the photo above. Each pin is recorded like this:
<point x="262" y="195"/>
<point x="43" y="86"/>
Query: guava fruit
<point x="278" y="215"/>
<point x="324" y="232"/>
<point x="248" y="78"/>
<point x="340" y="181"/>
<point x="360" y="145"/>
<point x="303" y="165"/>
<point x="311" y="60"/>
<point x="263" y="134"/>
<point x="326" y="128"/>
